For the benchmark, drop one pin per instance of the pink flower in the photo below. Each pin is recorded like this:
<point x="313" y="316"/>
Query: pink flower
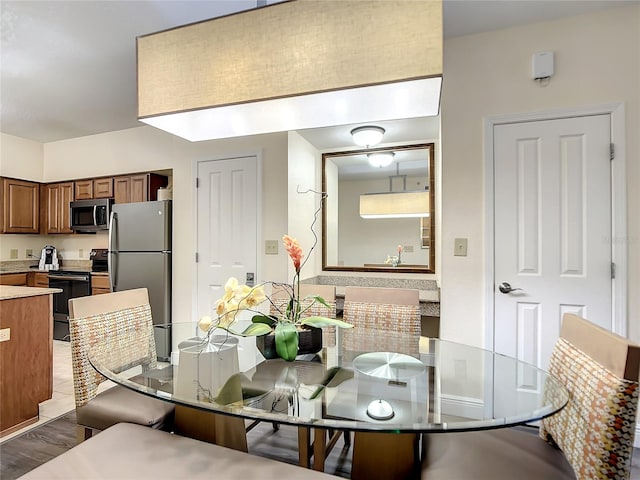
<point x="399" y="249"/>
<point x="294" y="250"/>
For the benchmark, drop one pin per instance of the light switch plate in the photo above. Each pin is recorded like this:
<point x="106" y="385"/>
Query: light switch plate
<point x="13" y="253"/>
<point x="271" y="247"/>
<point x="5" y="335"/>
<point x="407" y="248"/>
<point x="460" y="247"/>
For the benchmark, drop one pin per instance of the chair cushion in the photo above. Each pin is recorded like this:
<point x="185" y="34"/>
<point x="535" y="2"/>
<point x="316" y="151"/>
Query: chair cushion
<point x="511" y="453"/>
<point x="119" y="404"/>
<point x="127" y="451"/>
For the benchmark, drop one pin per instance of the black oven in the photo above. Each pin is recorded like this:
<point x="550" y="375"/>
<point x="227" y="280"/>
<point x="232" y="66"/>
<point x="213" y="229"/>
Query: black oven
<point x="73" y="284"/>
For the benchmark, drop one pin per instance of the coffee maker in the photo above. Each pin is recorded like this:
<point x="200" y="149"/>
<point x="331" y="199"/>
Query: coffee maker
<point x="49" y="258"/>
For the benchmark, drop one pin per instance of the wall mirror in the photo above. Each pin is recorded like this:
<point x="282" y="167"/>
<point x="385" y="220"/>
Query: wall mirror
<point x="379" y="212"/>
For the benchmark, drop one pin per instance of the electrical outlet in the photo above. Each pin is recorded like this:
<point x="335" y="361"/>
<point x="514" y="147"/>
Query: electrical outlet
<point x="13" y="254"/>
<point x="271" y="247"/>
<point x="5" y="335"/>
<point x="28" y="253"/>
<point x="81" y="253"/>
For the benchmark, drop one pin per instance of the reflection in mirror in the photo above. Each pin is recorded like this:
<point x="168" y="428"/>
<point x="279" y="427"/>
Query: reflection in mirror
<point x="379" y="212"/>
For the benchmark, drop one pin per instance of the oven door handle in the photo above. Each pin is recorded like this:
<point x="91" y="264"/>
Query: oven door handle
<point x="80" y="278"/>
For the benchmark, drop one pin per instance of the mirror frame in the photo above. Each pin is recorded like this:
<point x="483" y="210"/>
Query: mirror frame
<point x="432" y="254"/>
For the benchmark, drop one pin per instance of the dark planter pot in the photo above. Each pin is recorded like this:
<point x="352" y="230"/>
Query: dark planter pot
<point x="309" y="341"/>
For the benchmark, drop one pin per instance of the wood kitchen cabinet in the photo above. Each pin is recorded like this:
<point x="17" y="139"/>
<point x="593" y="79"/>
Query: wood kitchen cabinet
<point x="103" y="187"/>
<point x="83" y="189"/>
<point x="15" y="279"/>
<point x="56" y="204"/>
<point x="38" y="279"/>
<point x="20" y="206"/>
<point x="96" y="188"/>
<point x="26" y="356"/>
<point x="100" y="284"/>
<point x="137" y="188"/>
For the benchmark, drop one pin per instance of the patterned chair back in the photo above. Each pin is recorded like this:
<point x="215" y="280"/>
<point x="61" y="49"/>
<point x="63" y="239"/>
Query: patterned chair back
<point x="394" y="311"/>
<point x="596" y="429"/>
<point x="119" y="323"/>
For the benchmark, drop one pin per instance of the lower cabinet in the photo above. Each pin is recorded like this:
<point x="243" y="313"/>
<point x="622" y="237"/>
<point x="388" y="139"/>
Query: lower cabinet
<point x="15" y="279"/>
<point x="38" y="279"/>
<point x="100" y="284"/>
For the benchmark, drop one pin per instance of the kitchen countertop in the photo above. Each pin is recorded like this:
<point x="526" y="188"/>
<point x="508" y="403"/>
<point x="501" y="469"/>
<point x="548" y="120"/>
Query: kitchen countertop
<point x="8" y="292"/>
<point x="29" y="266"/>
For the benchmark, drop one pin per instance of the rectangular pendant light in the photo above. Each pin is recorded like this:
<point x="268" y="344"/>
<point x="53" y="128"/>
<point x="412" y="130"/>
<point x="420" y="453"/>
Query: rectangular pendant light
<point x="395" y="204"/>
<point x="293" y="65"/>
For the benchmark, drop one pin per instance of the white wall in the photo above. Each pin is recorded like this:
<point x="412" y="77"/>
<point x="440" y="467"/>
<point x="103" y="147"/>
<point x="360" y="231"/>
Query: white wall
<point x="304" y="174"/>
<point x="597" y="62"/>
<point x="146" y="148"/>
<point x="21" y="158"/>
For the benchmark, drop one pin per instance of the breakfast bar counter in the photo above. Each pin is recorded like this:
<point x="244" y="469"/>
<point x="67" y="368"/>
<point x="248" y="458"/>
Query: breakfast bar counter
<point x="26" y="354"/>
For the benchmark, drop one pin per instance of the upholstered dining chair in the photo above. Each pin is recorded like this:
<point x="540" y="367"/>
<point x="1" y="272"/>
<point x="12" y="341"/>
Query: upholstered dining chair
<point x="123" y="320"/>
<point x="591" y="438"/>
<point x="372" y="310"/>
<point x="378" y="315"/>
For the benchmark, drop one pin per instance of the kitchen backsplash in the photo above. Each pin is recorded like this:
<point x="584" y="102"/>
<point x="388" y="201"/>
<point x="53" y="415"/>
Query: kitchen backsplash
<point x="69" y="247"/>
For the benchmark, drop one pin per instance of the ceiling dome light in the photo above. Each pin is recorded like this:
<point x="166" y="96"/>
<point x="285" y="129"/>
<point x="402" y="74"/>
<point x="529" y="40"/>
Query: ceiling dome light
<point x="367" y="136"/>
<point x="380" y="160"/>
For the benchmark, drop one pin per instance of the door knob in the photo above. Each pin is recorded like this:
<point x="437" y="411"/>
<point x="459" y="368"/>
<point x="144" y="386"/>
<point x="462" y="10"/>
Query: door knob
<point x="505" y="287"/>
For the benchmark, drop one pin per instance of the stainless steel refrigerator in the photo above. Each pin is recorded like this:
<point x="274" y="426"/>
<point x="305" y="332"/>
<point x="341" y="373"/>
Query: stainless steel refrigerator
<point x="140" y="256"/>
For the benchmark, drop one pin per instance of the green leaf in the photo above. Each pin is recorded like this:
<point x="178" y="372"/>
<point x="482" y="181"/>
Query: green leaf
<point x="320" y="322"/>
<point x="255" y="329"/>
<point x="266" y="319"/>
<point x="318" y="298"/>
<point x="287" y="341"/>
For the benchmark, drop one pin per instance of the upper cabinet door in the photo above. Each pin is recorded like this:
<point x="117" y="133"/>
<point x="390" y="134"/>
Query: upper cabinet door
<point x="103" y="188"/>
<point x="84" y="190"/>
<point x="20" y="206"/>
<point x="56" y="207"/>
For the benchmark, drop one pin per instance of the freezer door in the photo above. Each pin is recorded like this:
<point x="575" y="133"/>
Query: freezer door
<point x="141" y="227"/>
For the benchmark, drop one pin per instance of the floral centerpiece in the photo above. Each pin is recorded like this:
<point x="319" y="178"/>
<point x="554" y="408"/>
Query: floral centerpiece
<point x="395" y="260"/>
<point x="286" y="324"/>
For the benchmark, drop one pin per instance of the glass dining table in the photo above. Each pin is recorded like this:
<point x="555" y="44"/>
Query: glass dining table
<point x="385" y="388"/>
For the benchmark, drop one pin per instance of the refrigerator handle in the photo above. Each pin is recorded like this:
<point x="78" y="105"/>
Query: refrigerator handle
<point x="112" y="227"/>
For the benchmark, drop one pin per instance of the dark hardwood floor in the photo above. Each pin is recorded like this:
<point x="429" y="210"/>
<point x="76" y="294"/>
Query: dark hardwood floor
<point x="22" y="454"/>
<point x="25" y="452"/>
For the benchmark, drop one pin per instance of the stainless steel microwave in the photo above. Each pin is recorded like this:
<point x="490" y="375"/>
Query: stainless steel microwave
<point x="91" y="215"/>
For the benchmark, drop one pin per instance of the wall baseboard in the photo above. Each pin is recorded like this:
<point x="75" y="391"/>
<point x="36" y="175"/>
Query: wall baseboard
<point x="462" y="406"/>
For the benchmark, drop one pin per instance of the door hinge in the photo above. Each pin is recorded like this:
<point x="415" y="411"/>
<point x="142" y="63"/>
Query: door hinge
<point x="197" y="182"/>
<point x="612" y="151"/>
<point x="196" y="257"/>
<point x="613" y="270"/>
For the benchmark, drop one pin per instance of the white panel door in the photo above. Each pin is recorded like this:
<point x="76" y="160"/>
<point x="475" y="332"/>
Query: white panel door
<point x="552" y="224"/>
<point x="227" y="233"/>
